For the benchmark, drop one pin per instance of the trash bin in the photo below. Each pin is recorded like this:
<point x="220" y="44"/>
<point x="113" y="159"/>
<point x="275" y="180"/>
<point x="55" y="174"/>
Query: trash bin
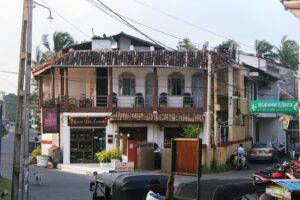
<point x="53" y="152"/>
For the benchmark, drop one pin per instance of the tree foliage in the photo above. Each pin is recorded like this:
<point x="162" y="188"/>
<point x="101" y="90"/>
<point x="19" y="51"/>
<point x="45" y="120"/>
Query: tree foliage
<point x="286" y="53"/>
<point x="191" y="131"/>
<point x="186" y="44"/>
<point x="60" y="41"/>
<point x="264" y="49"/>
<point x="232" y="44"/>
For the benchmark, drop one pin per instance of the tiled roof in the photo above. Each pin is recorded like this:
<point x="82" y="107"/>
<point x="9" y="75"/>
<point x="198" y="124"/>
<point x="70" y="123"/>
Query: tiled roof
<point x="160" y="117"/>
<point x="195" y="59"/>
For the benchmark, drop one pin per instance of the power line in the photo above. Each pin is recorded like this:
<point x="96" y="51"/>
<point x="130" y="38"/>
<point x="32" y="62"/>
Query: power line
<point x="129" y="24"/>
<point x="9" y="72"/>
<point x="71" y="24"/>
<point x="189" y="23"/>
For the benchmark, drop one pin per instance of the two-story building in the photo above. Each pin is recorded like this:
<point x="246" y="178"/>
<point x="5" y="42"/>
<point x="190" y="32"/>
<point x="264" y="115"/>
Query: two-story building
<point x="92" y="98"/>
<point x="268" y="80"/>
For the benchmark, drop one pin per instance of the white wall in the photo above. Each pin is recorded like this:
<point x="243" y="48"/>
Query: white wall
<point x="253" y="61"/>
<point x="101" y="44"/>
<point x="271" y="92"/>
<point x="81" y="81"/>
<point x="124" y="44"/>
<point x="47" y="88"/>
<point x="271" y="131"/>
<point x="140" y="74"/>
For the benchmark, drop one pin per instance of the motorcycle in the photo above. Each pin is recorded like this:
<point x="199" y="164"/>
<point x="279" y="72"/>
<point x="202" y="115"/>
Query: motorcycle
<point x="239" y="160"/>
<point x="269" y="177"/>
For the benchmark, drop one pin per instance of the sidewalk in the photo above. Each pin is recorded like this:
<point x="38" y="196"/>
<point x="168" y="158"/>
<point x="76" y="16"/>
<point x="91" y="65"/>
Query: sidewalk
<point x="84" y="169"/>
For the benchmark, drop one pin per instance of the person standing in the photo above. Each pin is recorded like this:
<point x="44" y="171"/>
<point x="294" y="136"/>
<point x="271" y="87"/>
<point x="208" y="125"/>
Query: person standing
<point x="292" y="150"/>
<point x="154" y="189"/>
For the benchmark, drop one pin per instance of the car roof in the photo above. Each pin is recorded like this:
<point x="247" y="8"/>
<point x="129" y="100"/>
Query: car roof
<point x="125" y="178"/>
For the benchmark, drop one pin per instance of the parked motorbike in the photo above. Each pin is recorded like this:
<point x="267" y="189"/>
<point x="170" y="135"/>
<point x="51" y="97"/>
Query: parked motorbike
<point x="281" y="150"/>
<point x="267" y="177"/>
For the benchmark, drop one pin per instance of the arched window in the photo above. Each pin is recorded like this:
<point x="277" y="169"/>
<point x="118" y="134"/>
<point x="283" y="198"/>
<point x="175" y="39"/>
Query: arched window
<point x="197" y="90"/>
<point x="127" y="84"/>
<point x="176" y="84"/>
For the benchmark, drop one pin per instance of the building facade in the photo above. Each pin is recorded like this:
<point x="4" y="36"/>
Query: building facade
<point x="104" y="97"/>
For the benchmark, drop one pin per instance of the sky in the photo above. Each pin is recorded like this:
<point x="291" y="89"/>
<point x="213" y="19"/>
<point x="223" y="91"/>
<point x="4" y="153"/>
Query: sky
<point x="214" y="21"/>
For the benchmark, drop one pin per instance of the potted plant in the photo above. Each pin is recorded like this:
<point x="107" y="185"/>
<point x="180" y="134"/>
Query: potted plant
<point x="104" y="158"/>
<point x="116" y="156"/>
<point x="42" y="160"/>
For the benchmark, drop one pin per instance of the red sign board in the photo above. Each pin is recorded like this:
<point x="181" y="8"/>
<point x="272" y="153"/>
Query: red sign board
<point x="50" y="120"/>
<point x="87" y="121"/>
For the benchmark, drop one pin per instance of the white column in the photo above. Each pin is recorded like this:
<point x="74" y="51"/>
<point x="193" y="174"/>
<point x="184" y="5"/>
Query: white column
<point x="66" y="139"/>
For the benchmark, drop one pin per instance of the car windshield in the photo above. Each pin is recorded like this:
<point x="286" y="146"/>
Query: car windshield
<point x="262" y="145"/>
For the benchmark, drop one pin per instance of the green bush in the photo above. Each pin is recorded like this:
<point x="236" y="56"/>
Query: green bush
<point x="36" y="152"/>
<point x="116" y="154"/>
<point x="103" y="156"/>
<point x="106" y="156"/>
<point x="191" y="131"/>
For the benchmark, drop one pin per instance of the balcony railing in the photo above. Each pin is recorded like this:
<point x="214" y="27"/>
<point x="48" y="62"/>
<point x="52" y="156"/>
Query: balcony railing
<point x="137" y="101"/>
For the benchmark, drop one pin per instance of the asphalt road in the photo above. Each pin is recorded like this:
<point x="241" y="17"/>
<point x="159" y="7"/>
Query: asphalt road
<point x="60" y="185"/>
<point x="54" y="185"/>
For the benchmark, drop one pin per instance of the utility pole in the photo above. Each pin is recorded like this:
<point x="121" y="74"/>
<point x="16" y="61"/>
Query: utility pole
<point x="216" y="109"/>
<point x="299" y="92"/>
<point x="1" y="124"/>
<point x="208" y="106"/>
<point x="22" y="119"/>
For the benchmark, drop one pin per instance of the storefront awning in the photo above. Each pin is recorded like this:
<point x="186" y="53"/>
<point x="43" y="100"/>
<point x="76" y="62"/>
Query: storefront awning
<point x="157" y="118"/>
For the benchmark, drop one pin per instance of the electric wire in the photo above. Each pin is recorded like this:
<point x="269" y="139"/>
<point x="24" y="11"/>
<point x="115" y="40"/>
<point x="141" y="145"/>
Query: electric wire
<point x="190" y="24"/>
<point x="128" y="24"/>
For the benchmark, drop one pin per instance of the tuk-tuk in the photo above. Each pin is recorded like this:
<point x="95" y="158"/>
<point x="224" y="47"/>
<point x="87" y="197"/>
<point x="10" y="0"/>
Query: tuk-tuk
<point x="125" y="186"/>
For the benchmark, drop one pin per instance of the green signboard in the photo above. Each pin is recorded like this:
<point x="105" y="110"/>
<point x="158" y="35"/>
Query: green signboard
<point x="272" y="106"/>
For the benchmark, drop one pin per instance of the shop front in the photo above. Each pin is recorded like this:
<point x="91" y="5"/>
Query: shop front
<point x="85" y="142"/>
<point x="83" y="137"/>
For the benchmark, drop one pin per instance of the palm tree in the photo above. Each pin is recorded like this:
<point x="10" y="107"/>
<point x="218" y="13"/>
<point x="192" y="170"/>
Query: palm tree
<point x="232" y="44"/>
<point x="287" y="53"/>
<point x="61" y="40"/>
<point x="264" y="49"/>
<point x="186" y="44"/>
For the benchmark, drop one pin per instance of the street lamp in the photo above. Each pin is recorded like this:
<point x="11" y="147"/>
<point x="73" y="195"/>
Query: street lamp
<point x="50" y="17"/>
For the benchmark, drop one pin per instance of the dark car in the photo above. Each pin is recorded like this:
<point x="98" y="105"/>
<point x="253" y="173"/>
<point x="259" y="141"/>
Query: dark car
<point x="263" y="152"/>
<point x="125" y="186"/>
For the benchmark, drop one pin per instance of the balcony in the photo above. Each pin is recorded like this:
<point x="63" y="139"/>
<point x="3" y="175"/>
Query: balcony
<point x="138" y="103"/>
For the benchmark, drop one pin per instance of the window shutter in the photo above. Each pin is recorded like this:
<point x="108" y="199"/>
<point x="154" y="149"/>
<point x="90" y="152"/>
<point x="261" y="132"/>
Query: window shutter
<point x="120" y="86"/>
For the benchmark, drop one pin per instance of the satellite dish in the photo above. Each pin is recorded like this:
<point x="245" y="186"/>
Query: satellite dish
<point x="205" y="45"/>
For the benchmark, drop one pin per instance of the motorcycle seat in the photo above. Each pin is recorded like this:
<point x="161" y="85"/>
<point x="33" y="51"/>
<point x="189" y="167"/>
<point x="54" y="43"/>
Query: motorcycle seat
<point x="268" y="170"/>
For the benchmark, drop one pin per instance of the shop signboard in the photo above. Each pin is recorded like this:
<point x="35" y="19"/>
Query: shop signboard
<point x="50" y="120"/>
<point x="124" y="167"/>
<point x="273" y="106"/>
<point x="87" y="121"/>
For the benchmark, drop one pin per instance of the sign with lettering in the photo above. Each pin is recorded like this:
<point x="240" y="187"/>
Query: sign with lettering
<point x="273" y="106"/>
<point x="50" y="120"/>
<point x="87" y="121"/>
<point x="124" y="167"/>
